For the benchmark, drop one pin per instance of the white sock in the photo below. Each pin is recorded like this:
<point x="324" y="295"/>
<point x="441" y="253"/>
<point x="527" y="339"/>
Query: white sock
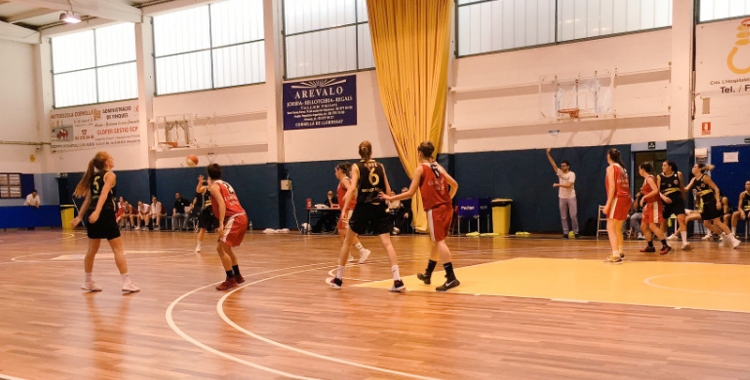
<point x="684" y="237"/>
<point x="125" y="278"/>
<point x="340" y="272"/>
<point x="88" y="277"/>
<point x="734" y="230"/>
<point x="396" y="275"/>
<point x="359" y="246"/>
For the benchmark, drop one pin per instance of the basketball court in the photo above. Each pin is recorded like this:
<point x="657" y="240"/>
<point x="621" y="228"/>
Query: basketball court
<point x="545" y="307"/>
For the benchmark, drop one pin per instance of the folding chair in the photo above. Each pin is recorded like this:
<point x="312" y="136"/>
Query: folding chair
<point x="601" y="218"/>
<point x="468" y="209"/>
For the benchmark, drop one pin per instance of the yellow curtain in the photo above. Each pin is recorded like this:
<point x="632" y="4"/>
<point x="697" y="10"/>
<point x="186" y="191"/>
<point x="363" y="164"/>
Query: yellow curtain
<point x="411" y="44"/>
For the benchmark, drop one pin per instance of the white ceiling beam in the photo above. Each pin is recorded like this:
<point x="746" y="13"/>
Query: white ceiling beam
<point x="109" y="9"/>
<point x="173" y="6"/>
<point x="30" y="14"/>
<point x="17" y="33"/>
<point x="71" y="28"/>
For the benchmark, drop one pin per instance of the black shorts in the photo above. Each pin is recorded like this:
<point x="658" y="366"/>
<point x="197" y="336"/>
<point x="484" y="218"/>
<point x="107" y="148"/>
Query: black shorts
<point x="370" y="217"/>
<point x="677" y="207"/>
<point x="207" y="220"/>
<point x="104" y="228"/>
<point x="710" y="212"/>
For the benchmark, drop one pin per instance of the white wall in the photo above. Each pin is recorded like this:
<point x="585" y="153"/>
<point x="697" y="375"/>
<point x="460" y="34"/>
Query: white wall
<point x="341" y="143"/>
<point x="497" y="103"/>
<point x="18" y="115"/>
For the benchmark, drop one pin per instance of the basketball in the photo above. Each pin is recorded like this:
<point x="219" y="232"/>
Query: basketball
<point x="191" y="160"/>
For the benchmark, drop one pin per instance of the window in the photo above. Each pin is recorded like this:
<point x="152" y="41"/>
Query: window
<point x="211" y="46"/>
<point x="10" y="185"/>
<point x="495" y="25"/>
<point x="326" y="36"/>
<point x="95" y="66"/>
<point x="722" y="9"/>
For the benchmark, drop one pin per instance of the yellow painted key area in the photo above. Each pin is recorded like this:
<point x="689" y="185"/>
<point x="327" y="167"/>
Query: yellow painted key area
<point x="682" y="285"/>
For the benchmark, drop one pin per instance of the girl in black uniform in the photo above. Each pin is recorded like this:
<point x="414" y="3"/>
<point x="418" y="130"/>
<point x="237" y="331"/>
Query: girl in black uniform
<point x="206" y="219"/>
<point x="98" y="212"/>
<point x="370" y="212"/>
<point x="671" y="192"/>
<point x="709" y="193"/>
<point x="743" y="208"/>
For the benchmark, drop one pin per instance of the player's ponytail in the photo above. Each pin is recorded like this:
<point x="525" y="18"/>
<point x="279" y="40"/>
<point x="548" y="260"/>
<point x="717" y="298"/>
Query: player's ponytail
<point x="427" y="149"/>
<point x="96" y="163"/>
<point x="365" y="150"/>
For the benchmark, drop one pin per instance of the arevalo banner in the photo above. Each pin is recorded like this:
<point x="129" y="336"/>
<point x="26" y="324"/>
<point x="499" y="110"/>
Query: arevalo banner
<point x="320" y="103"/>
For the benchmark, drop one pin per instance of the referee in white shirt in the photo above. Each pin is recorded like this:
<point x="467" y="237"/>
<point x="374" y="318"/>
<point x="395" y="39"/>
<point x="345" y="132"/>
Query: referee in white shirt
<point x="567" y="194"/>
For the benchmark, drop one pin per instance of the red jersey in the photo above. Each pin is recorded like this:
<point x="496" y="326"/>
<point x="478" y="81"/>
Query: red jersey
<point x="231" y="202"/>
<point x="622" y="184"/>
<point x="341" y="192"/>
<point x="646" y="188"/>
<point x="433" y="188"/>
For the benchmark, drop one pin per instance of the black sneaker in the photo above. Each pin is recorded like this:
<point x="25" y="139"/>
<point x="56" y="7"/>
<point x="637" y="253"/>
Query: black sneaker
<point x="424" y="278"/>
<point x="449" y="284"/>
<point x="398" y="286"/>
<point x="578" y="236"/>
<point x="334" y="282"/>
<point x="565" y="236"/>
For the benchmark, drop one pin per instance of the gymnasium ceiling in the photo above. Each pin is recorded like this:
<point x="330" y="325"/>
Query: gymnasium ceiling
<point x="29" y="20"/>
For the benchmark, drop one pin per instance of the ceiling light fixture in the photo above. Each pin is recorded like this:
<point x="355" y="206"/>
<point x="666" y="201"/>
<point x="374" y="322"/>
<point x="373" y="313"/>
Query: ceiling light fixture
<point x="70" y="17"/>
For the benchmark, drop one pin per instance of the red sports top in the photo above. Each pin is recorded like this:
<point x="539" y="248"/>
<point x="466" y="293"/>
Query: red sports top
<point x="231" y="202"/>
<point x="622" y="184"/>
<point x="646" y="188"/>
<point x="433" y="188"/>
<point x="341" y="192"/>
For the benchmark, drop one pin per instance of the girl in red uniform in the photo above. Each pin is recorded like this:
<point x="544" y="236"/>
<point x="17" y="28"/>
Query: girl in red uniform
<point x="433" y="183"/>
<point x="618" y="204"/>
<point x="342" y="174"/>
<point x="232" y="225"/>
<point x="652" y="210"/>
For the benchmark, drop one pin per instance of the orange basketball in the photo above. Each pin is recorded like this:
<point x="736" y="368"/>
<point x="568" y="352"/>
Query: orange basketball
<point x="191" y="160"/>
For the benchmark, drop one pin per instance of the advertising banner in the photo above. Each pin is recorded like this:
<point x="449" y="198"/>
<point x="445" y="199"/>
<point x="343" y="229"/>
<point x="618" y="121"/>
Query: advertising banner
<point x="723" y="57"/>
<point x="320" y="103"/>
<point x="94" y="126"/>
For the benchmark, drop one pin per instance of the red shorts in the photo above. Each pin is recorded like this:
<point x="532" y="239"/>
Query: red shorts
<point x="439" y="220"/>
<point x="234" y="230"/>
<point x="620" y="208"/>
<point x="652" y="213"/>
<point x="341" y="226"/>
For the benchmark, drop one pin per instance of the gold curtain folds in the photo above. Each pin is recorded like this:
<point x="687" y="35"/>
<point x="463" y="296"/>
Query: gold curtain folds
<point x="411" y="44"/>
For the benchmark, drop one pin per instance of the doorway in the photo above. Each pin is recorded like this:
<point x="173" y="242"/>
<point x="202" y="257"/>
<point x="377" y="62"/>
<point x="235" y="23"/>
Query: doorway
<point x="653" y="157"/>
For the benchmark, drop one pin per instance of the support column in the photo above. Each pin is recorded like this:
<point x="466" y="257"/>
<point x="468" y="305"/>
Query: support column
<point x="144" y="48"/>
<point x="683" y="34"/>
<point x="274" y="76"/>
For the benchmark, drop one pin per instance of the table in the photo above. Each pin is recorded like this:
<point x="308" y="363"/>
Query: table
<point x="318" y="211"/>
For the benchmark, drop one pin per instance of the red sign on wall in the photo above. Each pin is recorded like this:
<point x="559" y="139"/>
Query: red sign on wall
<point x="706" y="128"/>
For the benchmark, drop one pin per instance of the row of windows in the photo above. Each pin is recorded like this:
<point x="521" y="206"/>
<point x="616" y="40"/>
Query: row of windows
<point x="222" y="44"/>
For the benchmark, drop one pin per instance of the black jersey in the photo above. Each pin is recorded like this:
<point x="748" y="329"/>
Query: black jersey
<point x="96" y="188"/>
<point x="371" y="181"/>
<point x="704" y="191"/>
<point x="670" y="185"/>
<point x="202" y="200"/>
<point x="745" y="204"/>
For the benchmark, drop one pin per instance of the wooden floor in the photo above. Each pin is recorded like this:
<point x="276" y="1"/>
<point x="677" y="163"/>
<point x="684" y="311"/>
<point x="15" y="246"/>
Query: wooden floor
<point x="284" y="322"/>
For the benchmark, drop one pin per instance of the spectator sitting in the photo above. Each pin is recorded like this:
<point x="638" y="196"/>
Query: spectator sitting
<point x="157" y="211"/>
<point x="144" y="215"/>
<point x="179" y="217"/>
<point x="33" y="199"/>
<point x="327" y="220"/>
<point x="636" y="216"/>
<point x="130" y="214"/>
<point x="403" y="216"/>
<point x="120" y="214"/>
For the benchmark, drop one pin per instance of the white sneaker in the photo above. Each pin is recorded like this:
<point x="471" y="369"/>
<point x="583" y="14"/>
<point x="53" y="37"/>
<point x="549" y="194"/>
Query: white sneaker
<point x="130" y="288"/>
<point x="91" y="287"/>
<point x="641" y="237"/>
<point x="363" y="255"/>
<point x="735" y="242"/>
<point x="350" y="259"/>
<point x="707" y="237"/>
<point x="197" y="248"/>
<point x="686" y="247"/>
<point x="673" y="237"/>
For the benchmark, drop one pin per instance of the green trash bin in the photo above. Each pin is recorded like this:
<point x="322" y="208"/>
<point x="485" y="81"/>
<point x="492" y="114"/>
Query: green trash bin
<point x="67" y="214"/>
<point x="501" y="215"/>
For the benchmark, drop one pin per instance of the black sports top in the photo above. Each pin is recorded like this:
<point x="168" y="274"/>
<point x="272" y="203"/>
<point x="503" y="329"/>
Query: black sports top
<point x="371" y="182"/>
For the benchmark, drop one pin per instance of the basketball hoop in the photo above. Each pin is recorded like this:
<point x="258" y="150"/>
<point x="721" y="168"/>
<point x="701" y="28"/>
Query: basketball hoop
<point x="573" y="113"/>
<point x="168" y="144"/>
